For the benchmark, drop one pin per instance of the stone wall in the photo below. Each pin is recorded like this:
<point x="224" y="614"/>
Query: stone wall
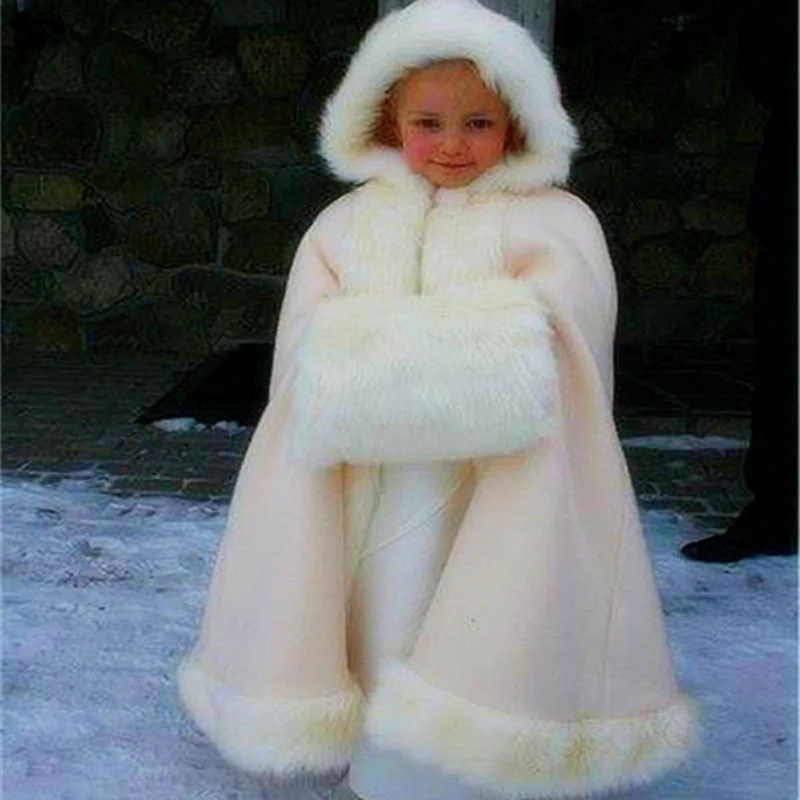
<point x="671" y="127"/>
<point x="159" y="164"/>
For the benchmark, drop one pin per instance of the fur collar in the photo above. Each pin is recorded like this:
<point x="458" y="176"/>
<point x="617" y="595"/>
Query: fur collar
<point x="507" y="58"/>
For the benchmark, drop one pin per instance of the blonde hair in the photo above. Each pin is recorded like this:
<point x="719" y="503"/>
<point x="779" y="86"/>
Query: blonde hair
<point x="385" y="131"/>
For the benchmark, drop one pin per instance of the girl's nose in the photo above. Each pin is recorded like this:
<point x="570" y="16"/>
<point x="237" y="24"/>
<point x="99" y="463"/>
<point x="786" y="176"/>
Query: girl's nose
<point x="453" y="143"/>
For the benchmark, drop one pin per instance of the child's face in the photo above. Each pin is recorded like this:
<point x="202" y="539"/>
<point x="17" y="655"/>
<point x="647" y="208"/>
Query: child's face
<point x="451" y="126"/>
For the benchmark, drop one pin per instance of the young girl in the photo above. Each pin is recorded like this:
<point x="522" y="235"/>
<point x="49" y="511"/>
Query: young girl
<point x="433" y="569"/>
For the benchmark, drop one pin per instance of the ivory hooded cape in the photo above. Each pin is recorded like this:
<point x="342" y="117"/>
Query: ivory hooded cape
<point x="422" y="325"/>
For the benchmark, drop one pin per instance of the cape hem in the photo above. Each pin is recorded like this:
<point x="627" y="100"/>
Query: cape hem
<point x="281" y="736"/>
<point x="520" y="757"/>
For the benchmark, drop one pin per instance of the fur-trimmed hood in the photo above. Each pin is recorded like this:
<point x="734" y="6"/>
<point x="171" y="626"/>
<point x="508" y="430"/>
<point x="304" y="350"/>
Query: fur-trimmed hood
<point x="507" y="58"/>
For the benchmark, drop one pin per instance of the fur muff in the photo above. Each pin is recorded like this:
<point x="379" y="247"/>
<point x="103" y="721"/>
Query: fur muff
<point x="281" y="737"/>
<point x="463" y="373"/>
<point x="509" y="61"/>
<point x="521" y="757"/>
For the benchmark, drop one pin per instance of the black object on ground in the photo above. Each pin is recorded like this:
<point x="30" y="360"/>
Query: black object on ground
<point x="754" y="532"/>
<point x="228" y="386"/>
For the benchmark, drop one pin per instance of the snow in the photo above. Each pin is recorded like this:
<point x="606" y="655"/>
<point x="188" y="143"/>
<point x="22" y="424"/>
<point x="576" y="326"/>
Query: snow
<point x="685" y="442"/>
<point x="660" y="442"/>
<point x="190" y="425"/>
<point x="103" y="595"/>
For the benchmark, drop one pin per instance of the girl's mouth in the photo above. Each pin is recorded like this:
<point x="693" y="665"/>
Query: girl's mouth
<point x="452" y="166"/>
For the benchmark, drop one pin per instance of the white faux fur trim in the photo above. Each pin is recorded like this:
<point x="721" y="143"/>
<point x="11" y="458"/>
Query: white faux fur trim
<point x="281" y="736"/>
<point x="463" y="373"/>
<point x="518" y="757"/>
<point x="429" y="30"/>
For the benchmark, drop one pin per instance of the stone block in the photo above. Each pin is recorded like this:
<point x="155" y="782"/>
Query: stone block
<point x="255" y="300"/>
<point x="119" y="74"/>
<point x="125" y="186"/>
<point x="275" y="64"/>
<point x="201" y="81"/>
<point x="309" y="13"/>
<point x="711" y="214"/>
<point x="343" y="37"/>
<point x="324" y="77"/>
<point x="165" y="26"/>
<point x="83" y="17"/>
<point x="702" y="136"/>
<point x="605" y="182"/>
<point x="199" y="174"/>
<point x="659" y="315"/>
<point x="581" y="68"/>
<point x="229" y="289"/>
<point x="733" y="176"/>
<point x="47" y="241"/>
<point x="628" y="105"/>
<point x="239" y="132"/>
<point x="245" y="193"/>
<point x="595" y="133"/>
<point x="650" y="218"/>
<point x="246" y="14"/>
<point x="259" y="246"/>
<point x="708" y="80"/>
<point x="299" y="193"/>
<point x="162" y="136"/>
<point x="162" y="327"/>
<point x="736" y="320"/>
<point x="45" y="191"/>
<point x="51" y="329"/>
<point x="725" y="269"/>
<point x="117" y="136"/>
<point x="27" y="285"/>
<point x="658" y="265"/>
<point x="97" y="228"/>
<point x="745" y="118"/>
<point x="60" y="69"/>
<point x="56" y="130"/>
<point x="228" y="325"/>
<point x="175" y="230"/>
<point x="663" y="174"/>
<point x="100" y="285"/>
<point x="8" y="239"/>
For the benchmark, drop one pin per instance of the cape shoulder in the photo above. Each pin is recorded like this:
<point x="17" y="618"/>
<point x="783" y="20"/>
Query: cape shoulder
<point x="560" y="214"/>
<point x="556" y="230"/>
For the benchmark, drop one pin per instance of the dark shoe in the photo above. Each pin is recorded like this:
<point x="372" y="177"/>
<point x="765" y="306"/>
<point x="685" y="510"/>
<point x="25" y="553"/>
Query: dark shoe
<point x="751" y="534"/>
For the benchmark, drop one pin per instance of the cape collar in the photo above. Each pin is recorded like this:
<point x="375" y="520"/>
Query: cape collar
<point x="515" y="174"/>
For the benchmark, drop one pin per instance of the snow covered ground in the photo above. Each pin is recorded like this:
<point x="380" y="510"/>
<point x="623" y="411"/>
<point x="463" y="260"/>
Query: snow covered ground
<point x="102" y="596"/>
<point x="685" y="442"/>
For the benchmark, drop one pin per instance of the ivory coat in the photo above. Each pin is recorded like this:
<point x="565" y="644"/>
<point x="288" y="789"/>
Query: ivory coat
<point x="424" y="325"/>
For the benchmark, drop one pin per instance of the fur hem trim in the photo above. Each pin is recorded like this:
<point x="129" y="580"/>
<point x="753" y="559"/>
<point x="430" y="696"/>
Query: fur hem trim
<point x="466" y="372"/>
<point x="509" y="61"/>
<point x="283" y="737"/>
<point x="518" y="757"/>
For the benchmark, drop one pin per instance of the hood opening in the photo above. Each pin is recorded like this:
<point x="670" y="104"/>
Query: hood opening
<point x="354" y="140"/>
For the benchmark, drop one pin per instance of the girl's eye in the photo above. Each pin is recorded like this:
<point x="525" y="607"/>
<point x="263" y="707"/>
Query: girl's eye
<point x="481" y="124"/>
<point x="426" y="124"/>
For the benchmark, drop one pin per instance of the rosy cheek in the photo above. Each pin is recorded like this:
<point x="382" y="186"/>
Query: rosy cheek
<point x="417" y="148"/>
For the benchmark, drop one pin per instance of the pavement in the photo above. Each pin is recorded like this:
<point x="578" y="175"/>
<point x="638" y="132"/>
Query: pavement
<point x="76" y="416"/>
